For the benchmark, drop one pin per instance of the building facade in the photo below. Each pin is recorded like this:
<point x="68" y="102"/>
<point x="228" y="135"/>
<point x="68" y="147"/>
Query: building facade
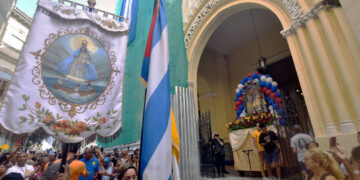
<point x="13" y="37"/>
<point x="322" y="37"/>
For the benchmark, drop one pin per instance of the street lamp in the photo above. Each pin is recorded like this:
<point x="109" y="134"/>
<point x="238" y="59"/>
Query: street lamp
<point x="262" y="62"/>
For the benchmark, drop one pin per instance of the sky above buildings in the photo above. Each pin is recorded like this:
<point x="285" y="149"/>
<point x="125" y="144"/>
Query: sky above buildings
<point x="29" y="6"/>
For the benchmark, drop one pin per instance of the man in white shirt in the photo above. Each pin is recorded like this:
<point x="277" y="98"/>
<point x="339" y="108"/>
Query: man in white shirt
<point x="21" y="166"/>
<point x="298" y="144"/>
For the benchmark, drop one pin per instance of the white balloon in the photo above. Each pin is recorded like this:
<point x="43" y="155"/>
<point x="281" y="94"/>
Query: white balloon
<point x="269" y="79"/>
<point x="240" y="86"/>
<point x="270" y="107"/>
<point x="237" y="90"/>
<point x="274" y="83"/>
<point x="242" y="115"/>
<point x="263" y="78"/>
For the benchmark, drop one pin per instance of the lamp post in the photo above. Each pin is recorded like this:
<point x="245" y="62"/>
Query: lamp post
<point x="262" y="63"/>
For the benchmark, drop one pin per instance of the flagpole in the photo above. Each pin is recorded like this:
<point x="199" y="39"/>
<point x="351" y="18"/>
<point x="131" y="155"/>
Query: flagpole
<point x="141" y="137"/>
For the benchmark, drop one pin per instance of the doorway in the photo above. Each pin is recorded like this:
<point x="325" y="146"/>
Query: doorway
<point x="231" y="52"/>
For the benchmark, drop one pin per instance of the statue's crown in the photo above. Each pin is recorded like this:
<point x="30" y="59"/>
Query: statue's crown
<point x="84" y="43"/>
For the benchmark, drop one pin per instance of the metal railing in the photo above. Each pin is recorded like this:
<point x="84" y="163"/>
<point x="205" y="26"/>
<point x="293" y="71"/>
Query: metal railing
<point x="93" y="10"/>
<point x="184" y="112"/>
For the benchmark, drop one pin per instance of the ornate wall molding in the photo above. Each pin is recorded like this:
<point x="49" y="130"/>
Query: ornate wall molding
<point x="292" y="7"/>
<point x="198" y="19"/>
<point x="311" y="14"/>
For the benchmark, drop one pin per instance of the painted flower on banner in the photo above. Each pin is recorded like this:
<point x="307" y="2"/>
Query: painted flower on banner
<point x="57" y="124"/>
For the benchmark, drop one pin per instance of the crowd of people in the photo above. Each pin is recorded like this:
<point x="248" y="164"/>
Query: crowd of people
<point x="92" y="164"/>
<point x="314" y="163"/>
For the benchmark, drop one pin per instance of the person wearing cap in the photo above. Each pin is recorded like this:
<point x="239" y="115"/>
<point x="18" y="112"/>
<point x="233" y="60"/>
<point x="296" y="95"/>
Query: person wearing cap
<point x="106" y="171"/>
<point x="219" y="153"/>
<point x="298" y="144"/>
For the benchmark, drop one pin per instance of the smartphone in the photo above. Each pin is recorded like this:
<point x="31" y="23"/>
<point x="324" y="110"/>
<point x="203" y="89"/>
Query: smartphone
<point x="332" y="142"/>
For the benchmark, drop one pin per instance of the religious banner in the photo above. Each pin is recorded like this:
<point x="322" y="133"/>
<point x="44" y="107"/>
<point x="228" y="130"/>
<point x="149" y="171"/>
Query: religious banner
<point x="69" y="78"/>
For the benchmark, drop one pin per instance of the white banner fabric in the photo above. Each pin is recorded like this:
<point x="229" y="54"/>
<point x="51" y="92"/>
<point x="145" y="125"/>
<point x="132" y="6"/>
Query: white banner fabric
<point x="69" y="77"/>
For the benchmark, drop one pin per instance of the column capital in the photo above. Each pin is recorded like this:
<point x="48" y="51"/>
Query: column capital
<point x="301" y="21"/>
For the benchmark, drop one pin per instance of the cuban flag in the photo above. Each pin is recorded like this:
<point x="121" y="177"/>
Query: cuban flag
<point x="129" y="9"/>
<point x="159" y="140"/>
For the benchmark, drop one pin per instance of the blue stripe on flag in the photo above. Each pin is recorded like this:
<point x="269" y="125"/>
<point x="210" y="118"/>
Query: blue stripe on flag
<point x="160" y="23"/>
<point x="145" y="68"/>
<point x="133" y="20"/>
<point x="118" y="7"/>
<point x="156" y="120"/>
<point x="122" y="13"/>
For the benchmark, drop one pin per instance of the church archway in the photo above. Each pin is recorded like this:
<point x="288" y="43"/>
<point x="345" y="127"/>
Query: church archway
<point x="216" y="65"/>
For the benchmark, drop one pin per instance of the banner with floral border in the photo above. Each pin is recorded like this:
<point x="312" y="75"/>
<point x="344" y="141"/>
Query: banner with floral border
<point x="69" y="77"/>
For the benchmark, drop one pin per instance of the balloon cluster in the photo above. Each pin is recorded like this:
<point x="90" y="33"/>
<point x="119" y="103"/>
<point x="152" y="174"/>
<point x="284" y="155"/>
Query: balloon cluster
<point x="271" y="92"/>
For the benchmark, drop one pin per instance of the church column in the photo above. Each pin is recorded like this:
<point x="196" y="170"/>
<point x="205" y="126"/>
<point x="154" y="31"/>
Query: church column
<point x="332" y="76"/>
<point x="311" y="100"/>
<point x="318" y="80"/>
<point x="345" y="54"/>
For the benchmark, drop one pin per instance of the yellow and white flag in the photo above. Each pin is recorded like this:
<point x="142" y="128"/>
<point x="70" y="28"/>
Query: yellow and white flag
<point x="175" y="148"/>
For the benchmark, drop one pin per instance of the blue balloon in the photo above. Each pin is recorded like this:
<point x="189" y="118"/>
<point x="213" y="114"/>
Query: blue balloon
<point x="268" y="85"/>
<point x="267" y="98"/>
<point x="275" y="106"/>
<point x="270" y="101"/>
<point x="254" y="75"/>
<point x="260" y="75"/>
<point x="262" y="83"/>
<point x="238" y="112"/>
<point x="267" y="75"/>
<point x="278" y="94"/>
<point x="241" y="108"/>
<point x="235" y="99"/>
<point x="238" y="94"/>
<point x="246" y="79"/>
<point x="250" y="79"/>
<point x="281" y="110"/>
<point x="274" y="88"/>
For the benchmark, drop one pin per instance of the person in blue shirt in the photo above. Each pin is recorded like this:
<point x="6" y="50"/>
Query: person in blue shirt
<point x="91" y="163"/>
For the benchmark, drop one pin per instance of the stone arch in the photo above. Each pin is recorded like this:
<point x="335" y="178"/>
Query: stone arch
<point x="215" y="16"/>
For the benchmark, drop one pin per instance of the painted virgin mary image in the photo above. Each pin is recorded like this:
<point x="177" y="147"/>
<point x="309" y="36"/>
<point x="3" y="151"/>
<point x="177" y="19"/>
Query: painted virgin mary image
<point x="78" y="67"/>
